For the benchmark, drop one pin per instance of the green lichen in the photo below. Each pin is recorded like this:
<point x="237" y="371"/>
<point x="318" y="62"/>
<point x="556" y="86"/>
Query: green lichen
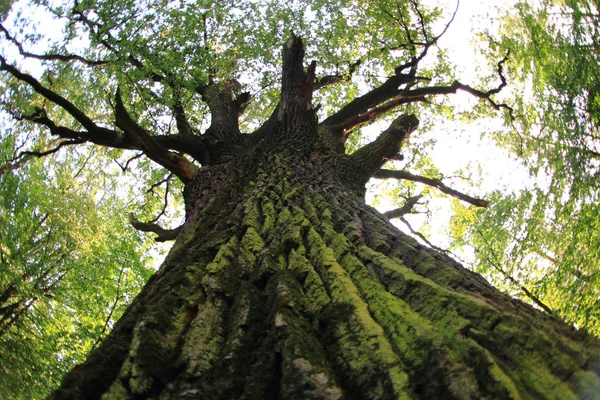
<point x="204" y="339"/>
<point x="312" y="285"/>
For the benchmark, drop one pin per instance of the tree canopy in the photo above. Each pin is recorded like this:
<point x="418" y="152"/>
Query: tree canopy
<point x="154" y="85"/>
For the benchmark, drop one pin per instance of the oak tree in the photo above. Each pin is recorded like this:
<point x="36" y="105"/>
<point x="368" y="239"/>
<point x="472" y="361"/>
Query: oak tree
<point x="281" y="282"/>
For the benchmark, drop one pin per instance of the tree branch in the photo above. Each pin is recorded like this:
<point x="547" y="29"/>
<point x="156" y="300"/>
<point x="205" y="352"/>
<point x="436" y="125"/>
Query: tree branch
<point x="407" y="208"/>
<point x="163" y="235"/>
<point x="184" y="169"/>
<point x="75" y="112"/>
<point x="371" y="157"/>
<point x="329" y="80"/>
<point x="296" y="115"/>
<point x="422" y="237"/>
<point x="25" y="156"/>
<point x="224" y="110"/>
<point x="50" y="56"/>
<point x="436" y="183"/>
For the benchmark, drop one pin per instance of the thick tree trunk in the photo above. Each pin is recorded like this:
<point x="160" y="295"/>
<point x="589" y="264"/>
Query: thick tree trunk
<point x="284" y="284"/>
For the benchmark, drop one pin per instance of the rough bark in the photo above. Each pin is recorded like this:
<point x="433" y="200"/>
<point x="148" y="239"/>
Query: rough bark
<point x="284" y="284"/>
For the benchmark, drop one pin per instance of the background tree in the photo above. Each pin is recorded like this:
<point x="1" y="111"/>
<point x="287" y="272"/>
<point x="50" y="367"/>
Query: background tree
<point x="66" y="272"/>
<point x="282" y="282"/>
<point x="541" y="243"/>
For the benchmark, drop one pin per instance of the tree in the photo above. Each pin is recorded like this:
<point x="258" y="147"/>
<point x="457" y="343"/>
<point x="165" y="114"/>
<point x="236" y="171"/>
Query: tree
<point x="543" y="241"/>
<point x="281" y="281"/>
<point x="66" y="273"/>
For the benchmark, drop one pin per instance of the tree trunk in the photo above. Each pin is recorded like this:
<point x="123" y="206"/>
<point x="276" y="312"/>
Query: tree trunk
<point x="284" y="284"/>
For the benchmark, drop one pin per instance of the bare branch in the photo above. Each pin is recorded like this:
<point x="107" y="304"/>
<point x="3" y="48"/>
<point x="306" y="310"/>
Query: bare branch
<point x="372" y="156"/>
<point x="436" y="183"/>
<point x="407" y="208"/>
<point x="25" y="156"/>
<point x="50" y="56"/>
<point x="163" y="234"/>
<point x="124" y="167"/>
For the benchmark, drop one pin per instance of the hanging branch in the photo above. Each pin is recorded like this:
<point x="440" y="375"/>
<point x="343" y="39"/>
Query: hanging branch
<point x="436" y="183"/>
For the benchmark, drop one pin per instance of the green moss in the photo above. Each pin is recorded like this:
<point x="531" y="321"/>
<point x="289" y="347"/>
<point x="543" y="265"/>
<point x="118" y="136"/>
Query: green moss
<point x="116" y="392"/>
<point x="290" y="221"/>
<point x="312" y="285"/>
<point x="251" y="214"/>
<point x="412" y="336"/>
<point x="140" y="381"/>
<point x="305" y="371"/>
<point x="221" y="276"/>
<point x="310" y="211"/>
<point x="502" y="379"/>
<point x="268" y="212"/>
<point x="250" y="247"/>
<point x="360" y="340"/>
<point x="204" y="338"/>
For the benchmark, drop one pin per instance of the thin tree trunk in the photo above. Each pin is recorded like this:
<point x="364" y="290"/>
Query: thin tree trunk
<point x="284" y="284"/>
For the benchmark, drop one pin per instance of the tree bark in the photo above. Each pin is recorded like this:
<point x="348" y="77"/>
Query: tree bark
<point x="284" y="284"/>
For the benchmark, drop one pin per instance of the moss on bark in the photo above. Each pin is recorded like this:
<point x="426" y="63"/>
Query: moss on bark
<point x="286" y="285"/>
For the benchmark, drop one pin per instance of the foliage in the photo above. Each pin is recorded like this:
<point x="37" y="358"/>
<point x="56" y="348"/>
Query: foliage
<point x="69" y="265"/>
<point x="541" y="242"/>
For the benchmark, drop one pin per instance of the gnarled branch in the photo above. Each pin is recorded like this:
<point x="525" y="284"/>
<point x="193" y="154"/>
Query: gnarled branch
<point x="179" y="165"/>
